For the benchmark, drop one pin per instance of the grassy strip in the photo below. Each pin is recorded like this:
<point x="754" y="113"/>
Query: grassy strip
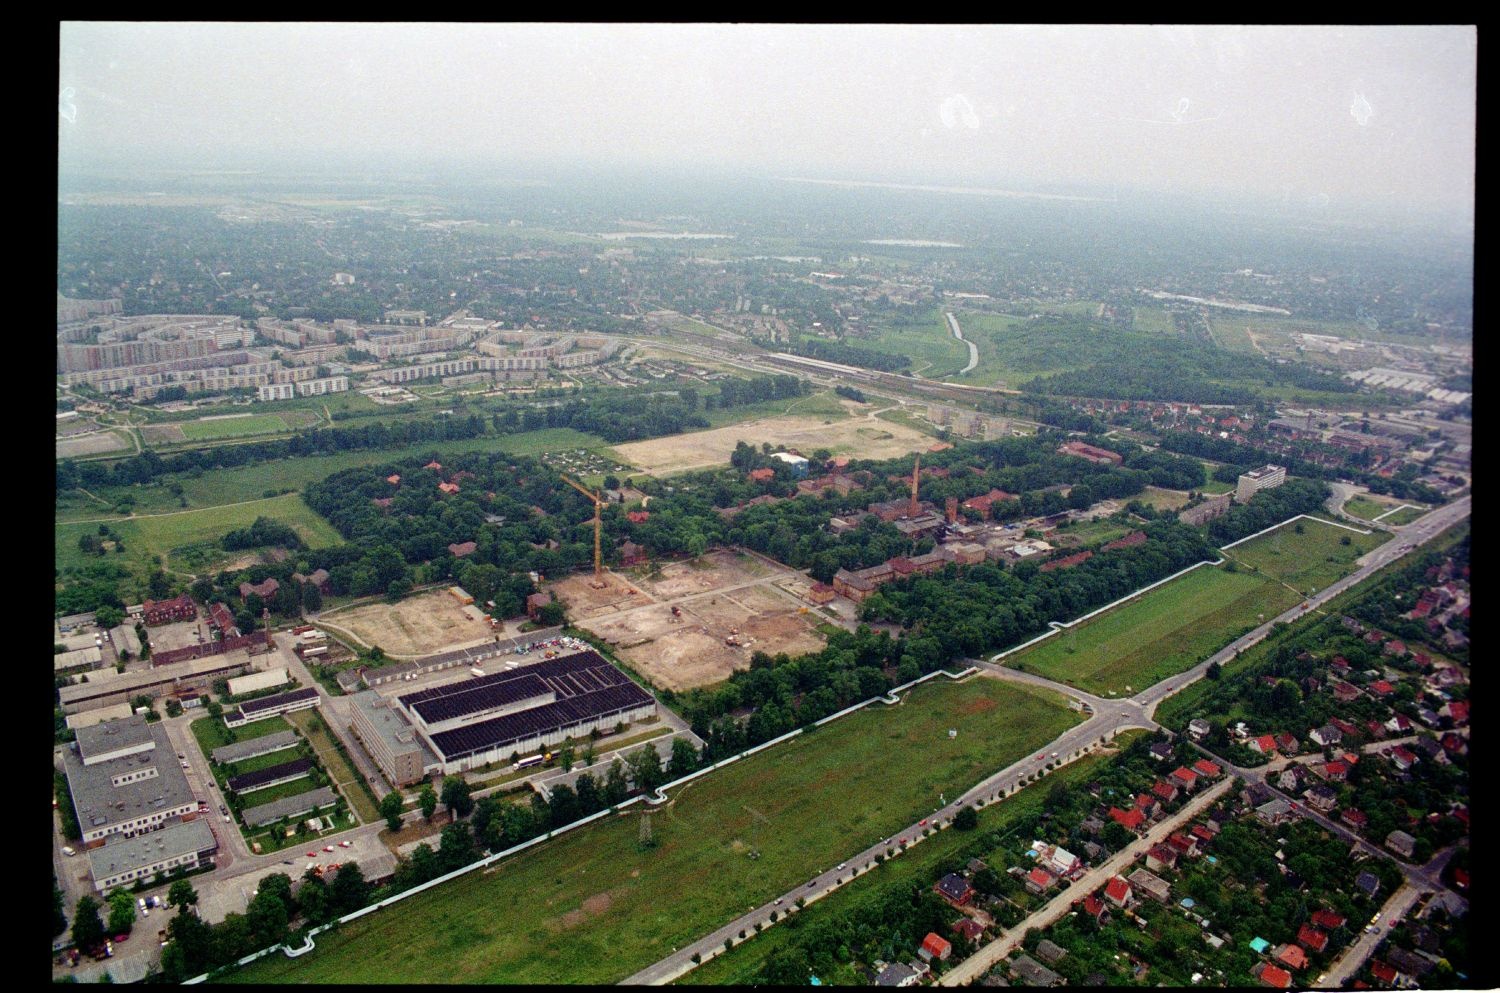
<point x="595" y="905"/>
<point x="920" y="864"/>
<point x="336" y="760"/>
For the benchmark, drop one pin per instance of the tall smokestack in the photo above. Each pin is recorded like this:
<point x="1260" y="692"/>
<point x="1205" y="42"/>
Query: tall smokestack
<point x="916" y="476"/>
<point x="951" y="507"/>
<point x="265" y="622"/>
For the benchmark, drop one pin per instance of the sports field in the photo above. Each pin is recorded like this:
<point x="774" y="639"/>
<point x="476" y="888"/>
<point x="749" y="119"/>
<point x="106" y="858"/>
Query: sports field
<point x="1308" y="561"/>
<point x="593" y="907"/>
<point x="1172" y="628"/>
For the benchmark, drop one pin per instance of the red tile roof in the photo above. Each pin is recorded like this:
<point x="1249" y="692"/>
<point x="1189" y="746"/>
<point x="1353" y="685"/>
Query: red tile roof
<point x="1292" y="955"/>
<point x="638" y="516"/>
<point x="1165" y="790"/>
<point x="762" y="475"/>
<point x="393" y="480"/>
<point x="1041" y="877"/>
<point x="1205" y="768"/>
<point x="1131" y="819"/>
<point x="1117" y="889"/>
<point x="1328" y="919"/>
<point x="1184" y="775"/>
<point x="937" y="946"/>
<point x="1311" y="938"/>
<point x="1274" y="976"/>
<point x="434" y="464"/>
<point x="1383" y="972"/>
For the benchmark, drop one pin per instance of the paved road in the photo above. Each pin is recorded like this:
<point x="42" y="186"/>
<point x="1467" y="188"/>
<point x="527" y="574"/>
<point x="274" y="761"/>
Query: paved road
<point x="982" y="960"/>
<point x="1109" y="716"/>
<point x="1363" y="946"/>
<point x="958" y="333"/>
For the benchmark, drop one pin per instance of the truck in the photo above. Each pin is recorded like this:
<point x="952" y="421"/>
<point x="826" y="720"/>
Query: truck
<point x="476" y="671"/>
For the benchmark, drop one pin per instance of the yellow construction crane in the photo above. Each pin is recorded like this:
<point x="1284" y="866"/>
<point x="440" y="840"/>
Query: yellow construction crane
<point x="598" y="503"/>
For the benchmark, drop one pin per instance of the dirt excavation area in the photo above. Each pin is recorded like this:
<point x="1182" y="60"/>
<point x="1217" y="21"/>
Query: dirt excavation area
<point x="863" y="437"/>
<point x="419" y="625"/>
<point x="727" y="607"/>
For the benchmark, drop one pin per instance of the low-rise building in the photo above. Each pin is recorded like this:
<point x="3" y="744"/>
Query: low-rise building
<point x="176" y="846"/>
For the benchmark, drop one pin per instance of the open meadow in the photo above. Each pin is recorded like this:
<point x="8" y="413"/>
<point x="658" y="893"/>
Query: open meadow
<point x="594" y="907"/>
<point x="1308" y="561"/>
<point x="191" y="534"/>
<point x="1177" y="625"/>
<point x="860" y="437"/>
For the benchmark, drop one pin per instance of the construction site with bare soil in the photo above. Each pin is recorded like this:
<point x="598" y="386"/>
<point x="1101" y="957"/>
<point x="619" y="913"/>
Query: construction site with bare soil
<point x="692" y="623"/>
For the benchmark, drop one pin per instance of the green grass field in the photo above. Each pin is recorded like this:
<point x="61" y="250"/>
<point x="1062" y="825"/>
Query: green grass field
<point x="1172" y="628"/>
<point x="221" y="486"/>
<point x="823" y="404"/>
<point x="933" y="350"/>
<point x="147" y="536"/>
<point x="1176" y="626"/>
<point x="1403" y="516"/>
<point x="315" y="730"/>
<point x="1308" y="561"/>
<point x="1213" y="487"/>
<point x="919" y="865"/>
<point x="234" y="427"/>
<point x="592" y="907"/>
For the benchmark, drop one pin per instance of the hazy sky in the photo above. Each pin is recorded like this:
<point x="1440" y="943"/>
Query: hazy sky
<point x="1354" y="114"/>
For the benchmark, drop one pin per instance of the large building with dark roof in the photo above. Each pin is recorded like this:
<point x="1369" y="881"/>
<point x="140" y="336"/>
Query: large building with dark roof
<point x="489" y="718"/>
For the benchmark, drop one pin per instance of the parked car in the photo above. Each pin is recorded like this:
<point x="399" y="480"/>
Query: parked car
<point x="346" y="844"/>
<point x="68" y="850"/>
<point x="327" y="848"/>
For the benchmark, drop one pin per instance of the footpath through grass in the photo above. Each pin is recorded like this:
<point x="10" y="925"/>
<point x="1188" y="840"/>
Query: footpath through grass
<point x="594" y="907"/>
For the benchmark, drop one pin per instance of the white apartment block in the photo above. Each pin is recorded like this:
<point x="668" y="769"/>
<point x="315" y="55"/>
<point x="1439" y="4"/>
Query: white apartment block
<point x="1252" y="482"/>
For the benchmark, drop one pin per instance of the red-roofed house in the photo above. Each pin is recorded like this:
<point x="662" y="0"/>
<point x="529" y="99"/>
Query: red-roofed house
<point x="434" y="464"/>
<point x="1343" y="725"/>
<point x="1336" y="771"/>
<point x="462" y="548"/>
<point x="1458" y="711"/>
<point x="1184" y="777"/>
<point x="1342" y="691"/>
<point x="1117" y="892"/>
<point x="1355" y="818"/>
<point x="1161" y="857"/>
<point x="1292" y="956"/>
<point x="1147" y="804"/>
<point x="1287" y="743"/>
<point x="1202" y="833"/>
<point x="220" y="617"/>
<point x="968" y="928"/>
<point x="393" y="480"/>
<point x="1276" y="977"/>
<point x="1383" y="972"/>
<point x="1311" y="938"/>
<point x="1095" y="908"/>
<point x="638" y="516"/>
<point x="1039" y="880"/>
<point x="935" y="947"/>
<point x="762" y="475"/>
<point x="1328" y="919"/>
<point x="1165" y="790"/>
<point x="1403" y="758"/>
<point x="1265" y="744"/>
<point x="1204" y="767"/>
<point x="1399" y="724"/>
<point x="448" y="487"/>
<point x="1186" y="844"/>
<point x="1382" y="688"/>
<point x="1130" y="820"/>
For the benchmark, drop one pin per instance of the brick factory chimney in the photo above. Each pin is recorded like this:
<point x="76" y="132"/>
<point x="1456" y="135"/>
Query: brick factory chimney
<point x="951" y="509"/>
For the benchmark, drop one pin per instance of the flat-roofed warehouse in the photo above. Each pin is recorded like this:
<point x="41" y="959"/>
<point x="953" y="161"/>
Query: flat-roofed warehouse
<point x="466" y="724"/>
<point x="267" y="707"/>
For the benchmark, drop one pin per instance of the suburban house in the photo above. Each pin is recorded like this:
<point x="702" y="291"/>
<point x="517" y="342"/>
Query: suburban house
<point x="1118" y="892"/>
<point x="935" y="947"/>
<point x="955" y="889"/>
